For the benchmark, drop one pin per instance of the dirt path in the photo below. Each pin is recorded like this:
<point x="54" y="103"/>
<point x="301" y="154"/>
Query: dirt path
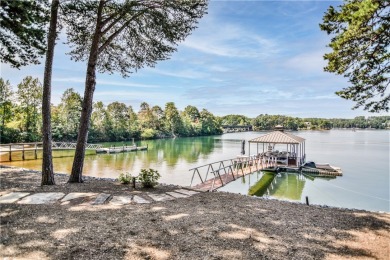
<point x="205" y="226"/>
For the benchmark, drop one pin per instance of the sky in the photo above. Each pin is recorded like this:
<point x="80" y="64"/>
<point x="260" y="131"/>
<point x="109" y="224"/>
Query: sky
<point x="245" y="57"/>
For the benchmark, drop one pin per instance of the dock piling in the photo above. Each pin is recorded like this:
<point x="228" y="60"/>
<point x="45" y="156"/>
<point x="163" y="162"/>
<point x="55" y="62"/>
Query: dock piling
<point x="35" y="151"/>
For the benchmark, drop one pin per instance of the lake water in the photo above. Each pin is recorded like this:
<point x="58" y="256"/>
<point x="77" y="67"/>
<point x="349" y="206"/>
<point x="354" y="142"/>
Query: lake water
<point x="363" y="156"/>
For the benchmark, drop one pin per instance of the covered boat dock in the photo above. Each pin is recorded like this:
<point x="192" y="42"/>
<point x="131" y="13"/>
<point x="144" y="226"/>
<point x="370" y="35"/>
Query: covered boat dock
<point x="292" y="154"/>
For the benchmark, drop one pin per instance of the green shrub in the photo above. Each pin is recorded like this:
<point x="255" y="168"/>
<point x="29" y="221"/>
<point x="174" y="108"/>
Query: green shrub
<point x="149" y="178"/>
<point x="125" y="178"/>
<point x="148" y="133"/>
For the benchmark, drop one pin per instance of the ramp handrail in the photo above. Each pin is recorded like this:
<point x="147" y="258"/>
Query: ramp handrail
<point x="214" y="169"/>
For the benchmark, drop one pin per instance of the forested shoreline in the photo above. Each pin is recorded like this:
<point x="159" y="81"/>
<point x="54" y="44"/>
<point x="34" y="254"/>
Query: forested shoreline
<point x="21" y="119"/>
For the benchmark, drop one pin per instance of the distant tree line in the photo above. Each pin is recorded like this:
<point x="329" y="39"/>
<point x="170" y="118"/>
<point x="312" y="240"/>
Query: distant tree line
<point x="268" y="122"/>
<point x="376" y="122"/>
<point x="21" y="120"/>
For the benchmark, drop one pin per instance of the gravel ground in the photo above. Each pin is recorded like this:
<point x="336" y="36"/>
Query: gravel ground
<point x="205" y="226"/>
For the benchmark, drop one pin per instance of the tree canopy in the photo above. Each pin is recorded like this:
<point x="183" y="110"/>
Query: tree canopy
<point x="126" y="36"/>
<point x="23" y="31"/>
<point x="29" y="95"/>
<point x="130" y="34"/>
<point x="360" y="44"/>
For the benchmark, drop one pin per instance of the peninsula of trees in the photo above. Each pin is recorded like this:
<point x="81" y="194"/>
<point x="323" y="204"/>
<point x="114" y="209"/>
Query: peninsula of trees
<point x="21" y="119"/>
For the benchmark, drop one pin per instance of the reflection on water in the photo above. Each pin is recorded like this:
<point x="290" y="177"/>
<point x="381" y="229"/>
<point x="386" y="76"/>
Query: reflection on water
<point x="171" y="157"/>
<point x="172" y="151"/>
<point x="263" y="185"/>
<point x="362" y="155"/>
<point x="283" y="185"/>
<point x="288" y="186"/>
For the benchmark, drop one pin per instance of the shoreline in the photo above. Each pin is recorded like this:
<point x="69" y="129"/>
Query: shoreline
<point x="86" y="177"/>
<point x="219" y="225"/>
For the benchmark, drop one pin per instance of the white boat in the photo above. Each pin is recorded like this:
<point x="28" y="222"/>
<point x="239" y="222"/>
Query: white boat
<point x="321" y="169"/>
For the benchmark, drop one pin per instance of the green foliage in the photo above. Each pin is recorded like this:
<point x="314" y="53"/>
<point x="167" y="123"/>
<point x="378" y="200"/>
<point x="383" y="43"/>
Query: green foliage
<point x="125" y="37"/>
<point x="23" y="31"/>
<point x="132" y="34"/>
<point x="66" y="116"/>
<point x="360" y="44"/>
<point x="29" y="95"/>
<point x="147" y="119"/>
<point x="99" y="123"/>
<point x="268" y="122"/>
<point x="125" y="178"/>
<point x="317" y="123"/>
<point x="173" y="121"/>
<point x="6" y="98"/>
<point x="118" y="117"/>
<point x="10" y="135"/>
<point x="192" y="113"/>
<point x="148" y="178"/>
<point x="210" y="123"/>
<point x="235" y="120"/>
<point x="118" y="122"/>
<point x="376" y="122"/>
<point x="148" y="133"/>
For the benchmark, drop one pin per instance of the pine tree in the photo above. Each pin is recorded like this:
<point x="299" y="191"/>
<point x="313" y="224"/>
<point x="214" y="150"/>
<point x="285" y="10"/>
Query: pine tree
<point x="360" y="43"/>
<point x="23" y="31"/>
<point x="125" y="36"/>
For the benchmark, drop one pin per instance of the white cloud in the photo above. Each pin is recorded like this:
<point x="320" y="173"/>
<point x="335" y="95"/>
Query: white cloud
<point x="105" y="82"/>
<point x="189" y="74"/>
<point x="307" y="62"/>
<point x="121" y="95"/>
<point x="230" y="40"/>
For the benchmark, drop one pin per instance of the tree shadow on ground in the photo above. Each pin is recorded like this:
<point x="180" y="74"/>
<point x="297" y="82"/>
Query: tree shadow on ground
<point x="207" y="225"/>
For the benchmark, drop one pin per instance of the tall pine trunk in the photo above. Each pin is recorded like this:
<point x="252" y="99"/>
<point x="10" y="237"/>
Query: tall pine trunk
<point x="90" y="83"/>
<point x="47" y="160"/>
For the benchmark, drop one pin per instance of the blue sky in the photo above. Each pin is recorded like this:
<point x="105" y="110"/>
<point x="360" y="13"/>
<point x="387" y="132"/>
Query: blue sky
<point x="245" y="57"/>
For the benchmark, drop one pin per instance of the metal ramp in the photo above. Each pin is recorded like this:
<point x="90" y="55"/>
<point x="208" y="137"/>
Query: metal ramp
<point x="217" y="174"/>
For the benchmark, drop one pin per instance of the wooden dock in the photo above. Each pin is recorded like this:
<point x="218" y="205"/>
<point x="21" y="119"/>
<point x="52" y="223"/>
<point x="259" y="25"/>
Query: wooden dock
<point x="121" y="149"/>
<point x="33" y="148"/>
<point x="29" y="151"/>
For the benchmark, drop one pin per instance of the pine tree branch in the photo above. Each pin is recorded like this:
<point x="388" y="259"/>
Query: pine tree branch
<point x="113" y="35"/>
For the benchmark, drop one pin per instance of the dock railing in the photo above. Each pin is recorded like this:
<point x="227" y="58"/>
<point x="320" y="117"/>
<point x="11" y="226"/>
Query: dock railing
<point x="24" y="148"/>
<point x="217" y="174"/>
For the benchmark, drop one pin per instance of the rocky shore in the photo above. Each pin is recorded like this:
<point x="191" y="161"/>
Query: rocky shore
<point x="205" y="226"/>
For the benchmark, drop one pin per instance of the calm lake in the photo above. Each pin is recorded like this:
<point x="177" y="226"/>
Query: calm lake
<point x="363" y="156"/>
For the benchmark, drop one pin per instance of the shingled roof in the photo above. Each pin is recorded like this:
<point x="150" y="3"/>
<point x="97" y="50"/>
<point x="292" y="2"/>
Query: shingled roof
<point x="278" y="137"/>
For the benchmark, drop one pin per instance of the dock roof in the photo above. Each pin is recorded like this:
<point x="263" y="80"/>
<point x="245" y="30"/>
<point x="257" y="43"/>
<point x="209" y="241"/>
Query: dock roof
<point x="278" y="137"/>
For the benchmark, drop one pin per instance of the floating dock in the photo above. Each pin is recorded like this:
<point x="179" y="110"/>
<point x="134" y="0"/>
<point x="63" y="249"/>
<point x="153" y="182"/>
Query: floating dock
<point x="311" y="171"/>
<point x="29" y="151"/>
<point x="123" y="149"/>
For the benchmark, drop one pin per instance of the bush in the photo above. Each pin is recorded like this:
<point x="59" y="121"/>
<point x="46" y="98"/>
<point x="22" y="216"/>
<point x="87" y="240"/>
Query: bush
<point x="125" y="178"/>
<point x="149" y="178"/>
<point x="148" y="133"/>
<point x="9" y="135"/>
